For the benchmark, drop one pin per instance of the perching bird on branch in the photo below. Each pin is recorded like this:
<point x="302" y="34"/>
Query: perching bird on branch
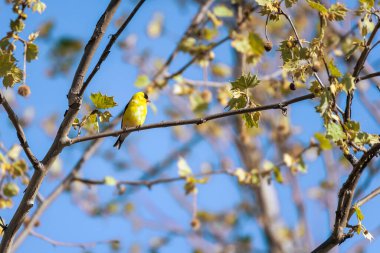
<point x="134" y="115"/>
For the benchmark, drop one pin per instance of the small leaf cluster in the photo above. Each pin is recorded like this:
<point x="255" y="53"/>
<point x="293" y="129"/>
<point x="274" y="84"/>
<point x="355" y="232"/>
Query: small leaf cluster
<point x="241" y="98"/>
<point x="185" y="171"/>
<point x="336" y="12"/>
<point x="9" y="71"/>
<point x="359" y="228"/>
<point x="13" y="167"/>
<point x="63" y="55"/>
<point x="251" y="45"/>
<point x="90" y="122"/>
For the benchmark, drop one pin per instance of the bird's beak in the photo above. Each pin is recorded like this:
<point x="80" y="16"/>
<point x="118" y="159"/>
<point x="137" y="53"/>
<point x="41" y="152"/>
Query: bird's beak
<point x="148" y="101"/>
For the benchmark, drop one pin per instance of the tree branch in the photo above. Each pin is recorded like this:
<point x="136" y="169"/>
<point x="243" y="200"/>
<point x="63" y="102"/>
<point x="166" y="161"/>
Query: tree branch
<point x="194" y="23"/>
<point x="196" y="121"/>
<point x="112" y="41"/>
<point x="74" y="101"/>
<point x="346" y="194"/>
<point x="62" y="186"/>
<point x="20" y="133"/>
<point x="364" y="200"/>
<point x="82" y="245"/>
<point x="368" y="76"/>
<point x="150" y="183"/>
<point x="357" y="69"/>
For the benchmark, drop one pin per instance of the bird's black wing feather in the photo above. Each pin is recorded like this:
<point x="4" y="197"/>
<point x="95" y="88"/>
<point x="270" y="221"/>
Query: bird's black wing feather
<point x="122" y="116"/>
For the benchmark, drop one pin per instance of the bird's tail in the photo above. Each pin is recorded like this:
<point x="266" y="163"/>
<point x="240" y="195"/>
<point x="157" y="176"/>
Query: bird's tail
<point x="120" y="140"/>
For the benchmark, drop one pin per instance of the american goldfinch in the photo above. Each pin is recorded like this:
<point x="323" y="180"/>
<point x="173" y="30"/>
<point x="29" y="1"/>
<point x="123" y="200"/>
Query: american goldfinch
<point x="134" y="114"/>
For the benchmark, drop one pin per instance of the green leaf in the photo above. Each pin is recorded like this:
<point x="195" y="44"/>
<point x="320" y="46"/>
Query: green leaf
<point x="269" y="166"/>
<point x="104" y="116"/>
<point x="237" y="102"/>
<point x="278" y="175"/>
<point x="252" y="119"/>
<point x="335" y="132"/>
<point x="263" y="2"/>
<point x="353" y="125"/>
<point x="301" y="166"/>
<point x="17" y="25"/>
<point x="10" y="190"/>
<point x="154" y="28"/>
<point x="334" y="71"/>
<point x="337" y="12"/>
<point x="31" y="52"/>
<point x="39" y="7"/>
<point x="111" y="181"/>
<point x="368" y="3"/>
<point x="358" y="213"/>
<point x="317" y="6"/>
<point x="349" y="82"/>
<point x="142" y="81"/>
<point x="256" y="43"/>
<point x="362" y="138"/>
<point x="221" y="70"/>
<point x="91" y="123"/>
<point x="244" y="82"/>
<point x="324" y="143"/>
<point x="14" y="152"/>
<point x="289" y="3"/>
<point x="19" y="168"/>
<point x="351" y="51"/>
<point x="184" y="169"/>
<point x="7" y="62"/>
<point x="223" y="11"/>
<point x="102" y="101"/>
<point x="324" y="106"/>
<point x="197" y="103"/>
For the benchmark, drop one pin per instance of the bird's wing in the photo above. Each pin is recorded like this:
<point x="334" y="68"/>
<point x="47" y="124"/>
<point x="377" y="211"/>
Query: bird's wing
<point x="122" y="117"/>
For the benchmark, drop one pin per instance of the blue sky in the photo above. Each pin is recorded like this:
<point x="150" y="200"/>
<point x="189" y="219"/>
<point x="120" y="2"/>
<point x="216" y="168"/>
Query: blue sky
<point x="64" y="221"/>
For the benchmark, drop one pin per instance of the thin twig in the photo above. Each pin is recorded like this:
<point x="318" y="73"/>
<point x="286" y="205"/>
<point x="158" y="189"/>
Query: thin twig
<point x="82" y="245"/>
<point x="194" y="23"/>
<point x="111" y="42"/>
<point x="20" y="133"/>
<point x="300" y="44"/>
<point x="197" y="121"/>
<point x="364" y="200"/>
<point x="361" y="78"/>
<point x="74" y="101"/>
<point x="150" y="183"/>
<point x="357" y="69"/>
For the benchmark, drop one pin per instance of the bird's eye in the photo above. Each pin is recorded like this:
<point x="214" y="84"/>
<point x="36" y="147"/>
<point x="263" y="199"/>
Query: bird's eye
<point x="146" y="96"/>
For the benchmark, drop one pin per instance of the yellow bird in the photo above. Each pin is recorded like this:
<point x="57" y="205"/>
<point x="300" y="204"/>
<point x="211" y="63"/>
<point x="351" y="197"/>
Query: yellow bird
<point x="134" y="115"/>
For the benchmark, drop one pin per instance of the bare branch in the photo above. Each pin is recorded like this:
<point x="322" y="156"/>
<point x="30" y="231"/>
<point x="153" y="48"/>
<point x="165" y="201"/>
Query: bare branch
<point x="75" y="101"/>
<point x="357" y="69"/>
<point x="82" y="245"/>
<point x="20" y="133"/>
<point x="196" y="121"/>
<point x="150" y="183"/>
<point x="368" y="76"/>
<point x="112" y="41"/>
